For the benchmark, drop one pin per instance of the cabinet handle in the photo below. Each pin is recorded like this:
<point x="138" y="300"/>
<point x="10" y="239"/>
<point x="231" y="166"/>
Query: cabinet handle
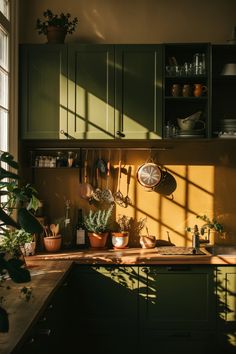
<point x="44" y="332"/>
<point x="180" y="335"/>
<point x="181" y="268"/>
<point x="120" y="134"/>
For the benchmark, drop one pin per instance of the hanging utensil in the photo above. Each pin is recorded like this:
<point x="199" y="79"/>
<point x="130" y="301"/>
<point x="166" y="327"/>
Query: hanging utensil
<point x="86" y="189"/>
<point x="107" y="196"/>
<point x="118" y="196"/>
<point x="127" y="200"/>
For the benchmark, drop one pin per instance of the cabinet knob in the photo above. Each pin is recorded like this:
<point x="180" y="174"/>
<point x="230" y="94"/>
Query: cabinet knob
<point x="120" y="134"/>
<point x="44" y="332"/>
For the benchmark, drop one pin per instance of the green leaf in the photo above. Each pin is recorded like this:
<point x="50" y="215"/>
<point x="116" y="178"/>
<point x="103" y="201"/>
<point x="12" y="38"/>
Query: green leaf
<point x="4" y="323"/>
<point x="7" y="220"/>
<point x="7" y="174"/>
<point x="9" y="159"/>
<point x="17" y="272"/>
<point x="28" y="222"/>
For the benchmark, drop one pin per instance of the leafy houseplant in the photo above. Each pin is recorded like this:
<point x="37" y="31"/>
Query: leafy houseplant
<point x="55" y="27"/>
<point x="208" y="226"/>
<point x="15" y="241"/>
<point x="98" y="224"/>
<point x="19" y="199"/>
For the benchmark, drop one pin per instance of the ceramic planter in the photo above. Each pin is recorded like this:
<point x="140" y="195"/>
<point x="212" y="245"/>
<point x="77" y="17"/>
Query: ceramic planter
<point x="52" y="243"/>
<point x="147" y="241"/>
<point x="120" y="239"/>
<point x="28" y="249"/>
<point x="97" y="240"/>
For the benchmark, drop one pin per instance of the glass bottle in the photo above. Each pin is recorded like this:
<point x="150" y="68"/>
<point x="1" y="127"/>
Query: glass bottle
<point x="80" y="241"/>
<point x="67" y="232"/>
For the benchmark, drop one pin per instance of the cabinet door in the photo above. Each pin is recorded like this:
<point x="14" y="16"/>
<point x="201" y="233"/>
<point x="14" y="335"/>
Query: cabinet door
<point x="43" y="91"/>
<point x="105" y="308"/>
<point x="177" y="297"/>
<point x="226" y="306"/>
<point x="138" y="91"/>
<point x="91" y="91"/>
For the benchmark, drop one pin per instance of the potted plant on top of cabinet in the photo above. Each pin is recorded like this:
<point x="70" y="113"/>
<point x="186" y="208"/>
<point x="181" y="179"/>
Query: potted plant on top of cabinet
<point x="56" y="27"/>
<point x="98" y="224"/>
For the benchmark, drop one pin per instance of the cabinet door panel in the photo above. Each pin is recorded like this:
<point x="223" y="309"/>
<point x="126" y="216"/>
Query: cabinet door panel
<point x="177" y="299"/>
<point x="139" y="91"/>
<point x="91" y="91"/>
<point x="43" y="91"/>
<point x="226" y="291"/>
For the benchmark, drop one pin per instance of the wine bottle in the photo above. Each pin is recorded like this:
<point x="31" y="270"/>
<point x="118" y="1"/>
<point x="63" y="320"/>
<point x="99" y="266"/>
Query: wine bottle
<point x="80" y="231"/>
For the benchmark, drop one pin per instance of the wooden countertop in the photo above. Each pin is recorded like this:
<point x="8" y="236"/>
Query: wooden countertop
<point x="46" y="277"/>
<point x="48" y="272"/>
<point x="133" y="256"/>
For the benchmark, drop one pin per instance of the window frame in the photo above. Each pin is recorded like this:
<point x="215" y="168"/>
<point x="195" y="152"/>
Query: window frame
<point x="11" y="26"/>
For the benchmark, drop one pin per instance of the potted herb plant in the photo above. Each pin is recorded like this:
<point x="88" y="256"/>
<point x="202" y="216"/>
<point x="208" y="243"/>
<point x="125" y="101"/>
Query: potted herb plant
<point x="21" y="200"/>
<point x="98" y="223"/>
<point x="120" y="235"/>
<point x="55" y="26"/>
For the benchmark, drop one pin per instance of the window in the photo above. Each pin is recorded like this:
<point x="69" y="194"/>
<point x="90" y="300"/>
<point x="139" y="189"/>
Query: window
<point x="4" y="74"/>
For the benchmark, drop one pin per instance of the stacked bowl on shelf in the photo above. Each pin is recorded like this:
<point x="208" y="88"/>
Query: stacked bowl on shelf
<point x="227" y="128"/>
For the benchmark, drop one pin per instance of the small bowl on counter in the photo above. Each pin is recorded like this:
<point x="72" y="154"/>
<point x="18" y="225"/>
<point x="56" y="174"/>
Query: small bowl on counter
<point x="148" y="241"/>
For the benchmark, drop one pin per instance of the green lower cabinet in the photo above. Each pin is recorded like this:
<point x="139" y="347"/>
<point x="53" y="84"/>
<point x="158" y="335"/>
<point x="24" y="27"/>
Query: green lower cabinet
<point x="177" y="309"/>
<point x="105" y="308"/>
<point x="226" y="306"/>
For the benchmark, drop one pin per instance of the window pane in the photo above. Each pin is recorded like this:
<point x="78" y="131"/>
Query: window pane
<point x="4" y="7"/>
<point x="4" y="63"/>
<point x="3" y="130"/>
<point x="3" y="89"/>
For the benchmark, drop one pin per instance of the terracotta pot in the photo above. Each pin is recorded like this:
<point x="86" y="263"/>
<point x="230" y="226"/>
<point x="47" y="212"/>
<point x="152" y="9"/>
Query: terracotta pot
<point x="52" y="243"/>
<point x="55" y="34"/>
<point x="120" y="239"/>
<point x="97" y="240"/>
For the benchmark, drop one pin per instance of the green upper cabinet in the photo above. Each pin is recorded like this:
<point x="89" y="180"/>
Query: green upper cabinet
<point x="43" y="91"/>
<point x="138" y="91"/>
<point x="91" y="91"/>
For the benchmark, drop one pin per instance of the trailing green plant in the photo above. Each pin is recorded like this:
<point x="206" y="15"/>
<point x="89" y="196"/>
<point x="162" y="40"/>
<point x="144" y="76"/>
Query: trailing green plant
<point x="62" y="20"/>
<point x="210" y="224"/>
<point x="98" y="221"/>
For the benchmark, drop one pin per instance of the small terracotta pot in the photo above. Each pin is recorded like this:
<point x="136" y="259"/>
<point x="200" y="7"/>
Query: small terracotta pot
<point x="97" y="240"/>
<point x="52" y="243"/>
<point x="55" y="34"/>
